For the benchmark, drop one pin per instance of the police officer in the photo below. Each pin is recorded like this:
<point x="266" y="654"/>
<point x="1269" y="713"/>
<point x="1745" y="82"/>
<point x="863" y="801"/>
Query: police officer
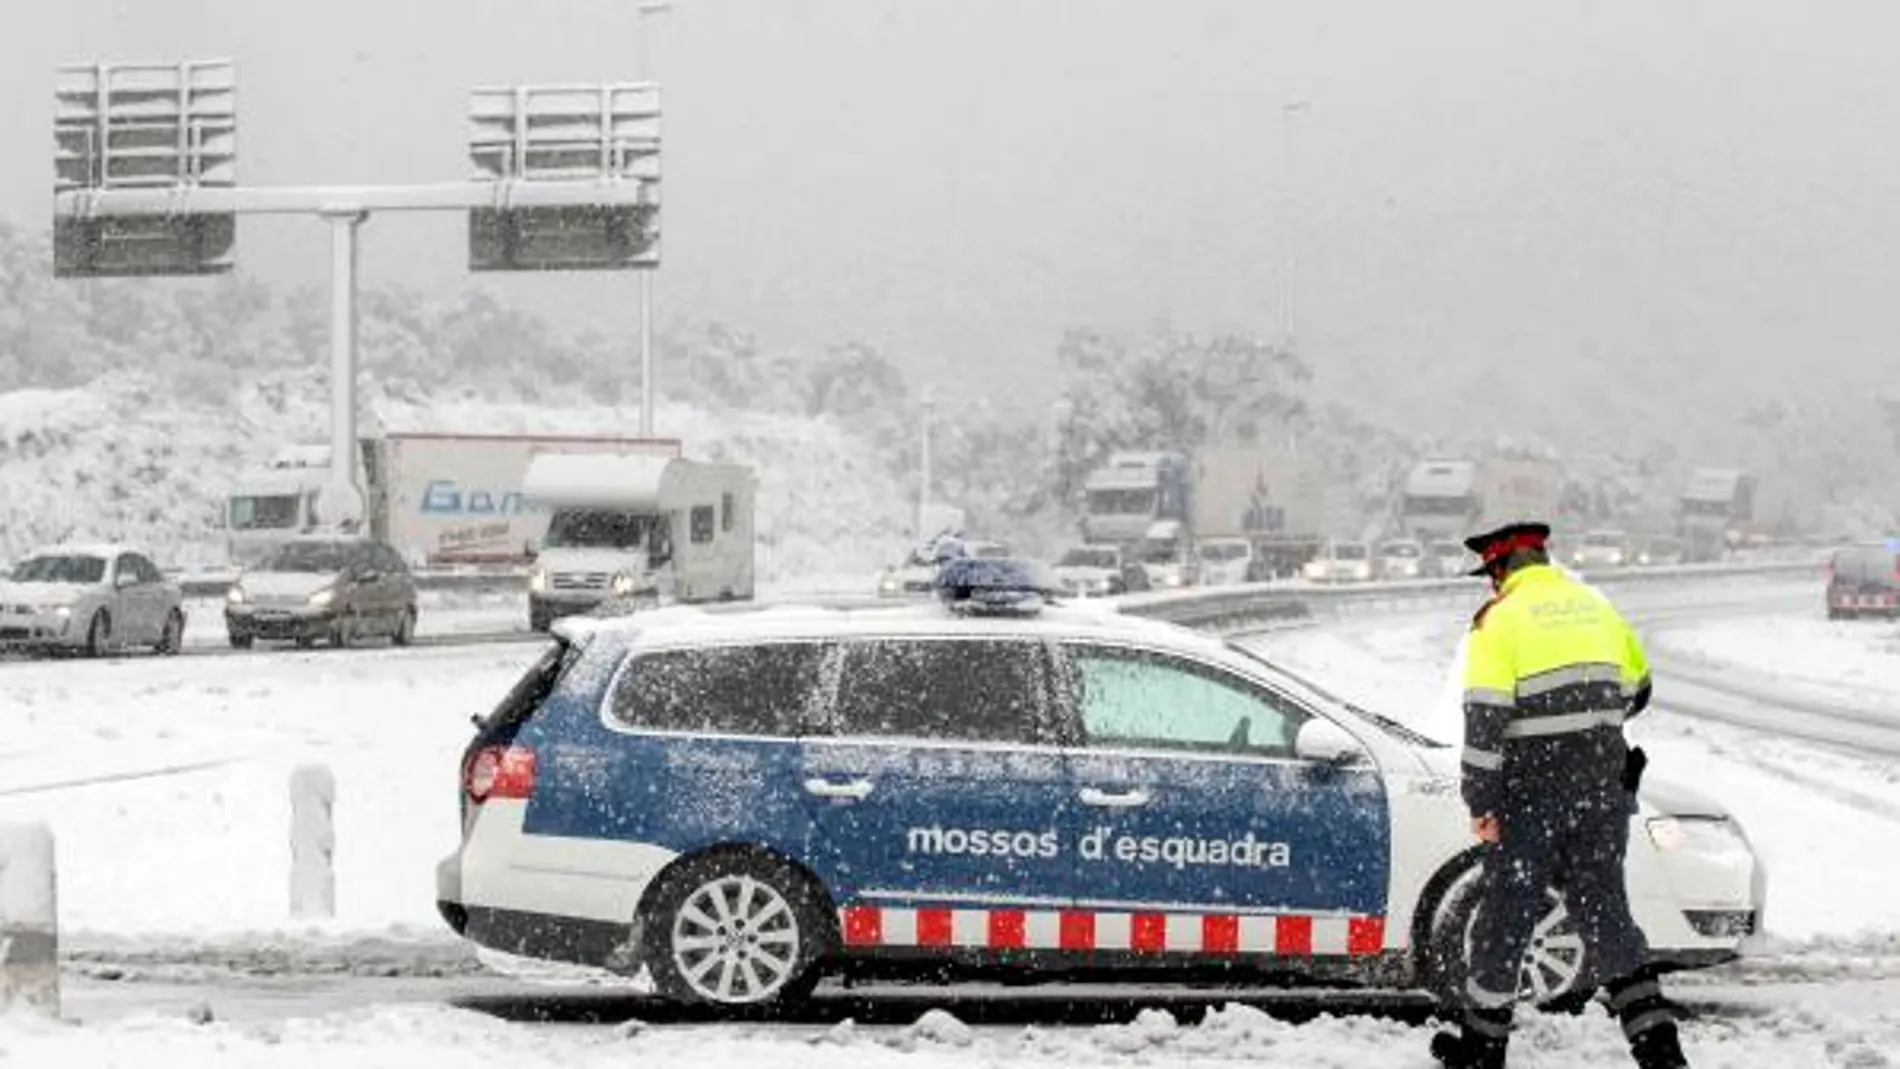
<point x="1552" y="672"/>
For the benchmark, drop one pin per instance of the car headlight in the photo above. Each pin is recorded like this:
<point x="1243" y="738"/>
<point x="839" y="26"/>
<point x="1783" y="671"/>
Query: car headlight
<point x="538" y="580"/>
<point x="322" y="598"/>
<point x="888" y="585"/>
<point x="622" y="584"/>
<point x="1701" y="835"/>
<point x="235" y="595"/>
<point x="62" y="611"/>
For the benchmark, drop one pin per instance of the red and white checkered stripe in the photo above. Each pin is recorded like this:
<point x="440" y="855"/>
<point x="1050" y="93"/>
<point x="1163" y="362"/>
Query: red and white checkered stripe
<point x="1293" y="935"/>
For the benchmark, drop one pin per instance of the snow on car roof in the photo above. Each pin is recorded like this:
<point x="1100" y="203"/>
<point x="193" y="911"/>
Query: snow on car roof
<point x="107" y="550"/>
<point x="871" y="619"/>
<point x="557" y="480"/>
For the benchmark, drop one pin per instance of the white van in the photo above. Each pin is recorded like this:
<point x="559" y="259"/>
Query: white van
<point x="641" y="529"/>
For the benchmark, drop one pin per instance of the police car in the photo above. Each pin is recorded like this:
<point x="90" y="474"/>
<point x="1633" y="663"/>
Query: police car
<point x="741" y="802"/>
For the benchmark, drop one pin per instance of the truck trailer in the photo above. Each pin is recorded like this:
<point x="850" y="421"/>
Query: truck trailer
<point x="1272" y="500"/>
<point x="1450" y="499"/>
<point x="439" y="499"/>
<point x="1717" y="503"/>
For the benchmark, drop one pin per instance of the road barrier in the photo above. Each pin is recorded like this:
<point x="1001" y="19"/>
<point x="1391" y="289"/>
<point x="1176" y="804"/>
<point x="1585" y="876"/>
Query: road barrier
<point x="312" y="842"/>
<point x="1251" y="604"/>
<point x="515" y="580"/>
<point x="29" y="920"/>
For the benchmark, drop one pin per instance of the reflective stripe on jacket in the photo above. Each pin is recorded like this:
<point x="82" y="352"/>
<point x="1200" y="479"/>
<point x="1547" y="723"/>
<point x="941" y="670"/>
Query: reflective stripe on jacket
<point x="1549" y="658"/>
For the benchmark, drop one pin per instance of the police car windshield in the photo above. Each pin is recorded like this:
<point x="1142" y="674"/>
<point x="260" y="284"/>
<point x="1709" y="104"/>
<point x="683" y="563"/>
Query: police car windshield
<point x="1319" y="695"/>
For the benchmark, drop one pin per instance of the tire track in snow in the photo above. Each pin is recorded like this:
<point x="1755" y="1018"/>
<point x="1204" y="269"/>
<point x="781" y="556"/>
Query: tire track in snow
<point x="117" y="777"/>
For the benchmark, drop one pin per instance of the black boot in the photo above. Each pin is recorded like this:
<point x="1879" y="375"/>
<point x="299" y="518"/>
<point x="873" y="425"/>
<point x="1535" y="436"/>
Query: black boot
<point x="1648" y="1020"/>
<point x="1479" y="1044"/>
<point x="1659" y="1048"/>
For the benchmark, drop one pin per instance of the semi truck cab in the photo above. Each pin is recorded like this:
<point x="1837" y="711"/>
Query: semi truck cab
<point x="1127" y="496"/>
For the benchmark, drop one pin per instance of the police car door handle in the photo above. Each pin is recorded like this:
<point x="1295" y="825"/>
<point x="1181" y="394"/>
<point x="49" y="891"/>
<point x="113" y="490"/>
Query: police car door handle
<point x="854" y="791"/>
<point x="1111" y="800"/>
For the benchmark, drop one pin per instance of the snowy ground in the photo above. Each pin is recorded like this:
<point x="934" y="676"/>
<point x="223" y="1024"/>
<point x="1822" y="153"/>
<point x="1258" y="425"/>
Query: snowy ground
<point x="178" y="768"/>
<point x="166" y="782"/>
<point x="1846" y="660"/>
<point x="1837" y="1028"/>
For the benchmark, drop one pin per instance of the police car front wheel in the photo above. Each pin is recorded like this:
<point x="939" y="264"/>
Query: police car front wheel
<point x="1553" y="975"/>
<point x="736" y="930"/>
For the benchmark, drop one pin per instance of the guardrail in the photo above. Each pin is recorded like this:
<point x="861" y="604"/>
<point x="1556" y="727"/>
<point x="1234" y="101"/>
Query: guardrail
<point x="1250" y="604"/>
<point x="1211" y="607"/>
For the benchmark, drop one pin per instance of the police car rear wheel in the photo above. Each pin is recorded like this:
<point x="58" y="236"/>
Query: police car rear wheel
<point x="736" y="931"/>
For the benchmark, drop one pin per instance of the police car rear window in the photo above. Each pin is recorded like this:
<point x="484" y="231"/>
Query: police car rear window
<point x="756" y="689"/>
<point x="956" y="689"/>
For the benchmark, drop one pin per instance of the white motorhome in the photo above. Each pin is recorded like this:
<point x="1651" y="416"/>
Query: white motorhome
<point x="640" y="530"/>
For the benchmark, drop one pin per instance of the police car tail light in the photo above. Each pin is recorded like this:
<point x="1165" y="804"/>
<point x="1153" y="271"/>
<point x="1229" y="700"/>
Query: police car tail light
<point x="497" y="772"/>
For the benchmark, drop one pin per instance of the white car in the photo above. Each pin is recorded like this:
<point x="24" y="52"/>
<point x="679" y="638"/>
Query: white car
<point x="1340" y="562"/>
<point x="1224" y="561"/>
<point x="1447" y="560"/>
<point x="1091" y="571"/>
<point x="1602" y="549"/>
<point x="91" y="598"/>
<point x="926" y="789"/>
<point x="1400" y="558"/>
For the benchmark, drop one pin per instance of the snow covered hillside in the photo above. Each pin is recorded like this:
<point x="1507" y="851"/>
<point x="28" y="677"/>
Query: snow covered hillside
<point x="125" y="457"/>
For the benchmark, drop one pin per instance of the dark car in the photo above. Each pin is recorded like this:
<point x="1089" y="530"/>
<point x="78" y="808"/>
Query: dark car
<point x="331" y="589"/>
<point x="1864" y="581"/>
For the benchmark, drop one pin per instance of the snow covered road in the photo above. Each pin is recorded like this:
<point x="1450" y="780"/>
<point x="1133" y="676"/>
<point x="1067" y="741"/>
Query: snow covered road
<point x="1848" y="1026"/>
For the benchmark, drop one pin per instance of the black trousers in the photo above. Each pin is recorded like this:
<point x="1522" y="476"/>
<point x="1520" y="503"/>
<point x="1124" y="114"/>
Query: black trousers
<point x="1573" y="841"/>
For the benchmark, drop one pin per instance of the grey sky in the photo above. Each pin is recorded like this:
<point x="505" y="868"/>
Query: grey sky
<point x="1709" y="184"/>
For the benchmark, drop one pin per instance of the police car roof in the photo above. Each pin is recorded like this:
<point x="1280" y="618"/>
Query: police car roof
<point x="868" y="619"/>
<point x="108" y="550"/>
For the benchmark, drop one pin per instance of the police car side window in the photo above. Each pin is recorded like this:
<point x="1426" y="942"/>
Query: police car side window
<point x="728" y="690"/>
<point x="1129" y="699"/>
<point x="961" y="690"/>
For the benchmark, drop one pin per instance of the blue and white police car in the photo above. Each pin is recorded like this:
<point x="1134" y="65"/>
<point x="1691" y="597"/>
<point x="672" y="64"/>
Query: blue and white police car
<point x="742" y="802"/>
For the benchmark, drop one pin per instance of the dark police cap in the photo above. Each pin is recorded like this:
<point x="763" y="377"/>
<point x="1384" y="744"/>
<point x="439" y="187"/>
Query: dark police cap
<point x="1493" y="546"/>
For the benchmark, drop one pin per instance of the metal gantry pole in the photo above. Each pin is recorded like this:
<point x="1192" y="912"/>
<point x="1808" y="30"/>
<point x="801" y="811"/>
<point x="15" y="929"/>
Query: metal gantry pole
<point x="646" y="352"/>
<point x="923" y="473"/>
<point x="643" y="60"/>
<point x="343" y="261"/>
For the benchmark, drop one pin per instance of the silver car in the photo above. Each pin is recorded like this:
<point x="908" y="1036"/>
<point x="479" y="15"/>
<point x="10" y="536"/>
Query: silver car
<point x="96" y="599"/>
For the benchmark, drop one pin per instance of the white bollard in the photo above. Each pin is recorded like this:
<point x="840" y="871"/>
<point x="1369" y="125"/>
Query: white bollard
<point x="29" y="919"/>
<point x="312" y="842"/>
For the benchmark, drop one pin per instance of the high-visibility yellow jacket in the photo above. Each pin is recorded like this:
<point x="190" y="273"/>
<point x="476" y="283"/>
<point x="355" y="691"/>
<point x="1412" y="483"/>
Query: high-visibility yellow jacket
<point x="1552" y="671"/>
